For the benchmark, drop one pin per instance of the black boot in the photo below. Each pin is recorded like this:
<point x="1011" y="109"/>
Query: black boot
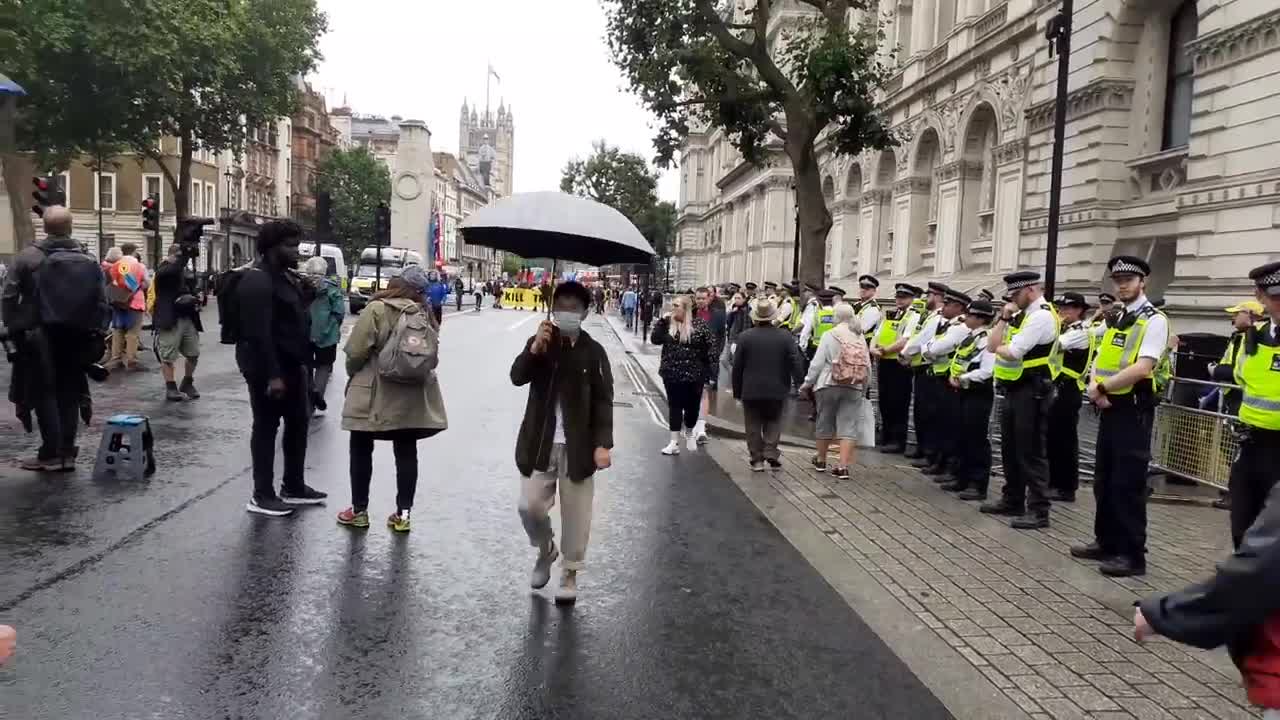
<point x="955" y="486"/>
<point x="1062" y="496"/>
<point x="1030" y="521"/>
<point x="973" y="494"/>
<point x="1092" y="551"/>
<point x="1000" y="507"/>
<point x="1122" y="567"/>
<point x="934" y="470"/>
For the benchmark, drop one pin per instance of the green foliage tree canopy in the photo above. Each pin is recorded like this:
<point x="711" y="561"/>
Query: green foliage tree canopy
<point x="356" y="182"/>
<point x="622" y="180"/>
<point x="771" y="82"/>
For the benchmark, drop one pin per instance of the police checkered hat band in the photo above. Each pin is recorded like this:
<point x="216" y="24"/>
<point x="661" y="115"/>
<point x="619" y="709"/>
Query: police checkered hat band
<point x="1269" y="280"/>
<point x="1022" y="283"/>
<point x="1124" y="266"/>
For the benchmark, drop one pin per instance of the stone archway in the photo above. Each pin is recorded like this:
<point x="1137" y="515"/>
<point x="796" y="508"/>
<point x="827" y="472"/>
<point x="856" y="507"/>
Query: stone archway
<point x="923" y="190"/>
<point x="977" y="175"/>
<point x="848" y="254"/>
<point x="878" y="214"/>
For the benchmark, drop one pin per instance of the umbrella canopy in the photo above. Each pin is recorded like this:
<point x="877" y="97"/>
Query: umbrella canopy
<point x="557" y="225"/>
<point x="9" y="87"/>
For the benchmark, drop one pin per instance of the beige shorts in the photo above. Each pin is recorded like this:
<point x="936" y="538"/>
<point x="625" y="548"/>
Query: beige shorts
<point x="181" y="340"/>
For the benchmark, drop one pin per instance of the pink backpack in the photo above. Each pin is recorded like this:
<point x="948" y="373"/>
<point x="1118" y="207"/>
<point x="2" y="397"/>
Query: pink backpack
<point x="853" y="365"/>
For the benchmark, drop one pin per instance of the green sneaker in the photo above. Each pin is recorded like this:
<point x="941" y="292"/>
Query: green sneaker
<point x="351" y="518"/>
<point x="399" y="521"/>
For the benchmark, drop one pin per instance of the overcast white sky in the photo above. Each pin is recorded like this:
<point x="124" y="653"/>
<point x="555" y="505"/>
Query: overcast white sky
<point x="421" y="58"/>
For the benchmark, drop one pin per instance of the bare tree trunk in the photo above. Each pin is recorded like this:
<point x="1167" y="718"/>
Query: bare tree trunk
<point x="11" y="178"/>
<point x="815" y="218"/>
<point x="181" y="194"/>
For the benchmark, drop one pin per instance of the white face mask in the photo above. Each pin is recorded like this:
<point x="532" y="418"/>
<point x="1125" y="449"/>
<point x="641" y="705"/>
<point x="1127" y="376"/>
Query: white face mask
<point x="569" y="322"/>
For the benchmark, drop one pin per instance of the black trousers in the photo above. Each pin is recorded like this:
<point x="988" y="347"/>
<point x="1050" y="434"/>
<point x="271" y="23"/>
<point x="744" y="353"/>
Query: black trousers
<point x="763" y="422"/>
<point x="945" y="419"/>
<point x="973" y="437"/>
<point x="1120" y="479"/>
<point x="293" y="409"/>
<point x="1023" y="427"/>
<point x="684" y="400"/>
<point x="59" y="384"/>
<point x="1064" y="438"/>
<point x="1253" y="475"/>
<point x="405" y="447"/>
<point x="895" y="398"/>
<point x="925" y="409"/>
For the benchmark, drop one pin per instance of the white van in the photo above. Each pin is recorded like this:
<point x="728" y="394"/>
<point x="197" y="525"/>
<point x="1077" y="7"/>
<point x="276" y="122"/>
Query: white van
<point x="333" y="257"/>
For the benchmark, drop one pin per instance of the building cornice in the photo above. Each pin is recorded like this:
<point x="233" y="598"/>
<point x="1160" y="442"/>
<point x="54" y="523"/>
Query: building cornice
<point x="1098" y="95"/>
<point x="1220" y="48"/>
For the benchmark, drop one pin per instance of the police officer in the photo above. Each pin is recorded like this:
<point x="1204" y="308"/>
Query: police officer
<point x="866" y="308"/>
<point x="925" y="389"/>
<point x="1121" y="387"/>
<point x="791" y="320"/>
<point x="823" y="320"/>
<point x="1106" y="307"/>
<point x="951" y="331"/>
<point x="1257" y="372"/>
<point x="894" y="378"/>
<point x="840" y="294"/>
<point x="809" y="313"/>
<point x="970" y="377"/>
<point x="1244" y="316"/>
<point x="1025" y="342"/>
<point x="1076" y="342"/>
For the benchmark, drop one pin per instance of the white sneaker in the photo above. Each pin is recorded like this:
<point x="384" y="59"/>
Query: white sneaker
<point x="702" y="437"/>
<point x="691" y="442"/>
<point x="542" y="567"/>
<point x="568" y="592"/>
<point x="672" y="448"/>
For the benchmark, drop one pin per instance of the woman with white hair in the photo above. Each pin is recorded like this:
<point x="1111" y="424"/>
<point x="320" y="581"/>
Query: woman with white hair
<point x="327" y="311"/>
<point x="838" y="379"/>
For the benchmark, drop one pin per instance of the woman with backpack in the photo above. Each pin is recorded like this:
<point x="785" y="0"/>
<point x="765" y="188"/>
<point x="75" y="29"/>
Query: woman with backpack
<point x="838" y="381"/>
<point x="327" y="310"/>
<point x="392" y="395"/>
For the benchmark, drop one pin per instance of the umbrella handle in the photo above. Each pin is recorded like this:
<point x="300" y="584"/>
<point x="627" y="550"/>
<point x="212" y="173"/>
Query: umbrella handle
<point x="551" y="300"/>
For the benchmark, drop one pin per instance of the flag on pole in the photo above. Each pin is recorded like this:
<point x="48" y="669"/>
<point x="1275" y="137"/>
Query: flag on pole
<point x="494" y="72"/>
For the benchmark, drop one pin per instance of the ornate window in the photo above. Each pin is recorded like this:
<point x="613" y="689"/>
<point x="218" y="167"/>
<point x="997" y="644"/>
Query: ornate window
<point x="1178" y="86"/>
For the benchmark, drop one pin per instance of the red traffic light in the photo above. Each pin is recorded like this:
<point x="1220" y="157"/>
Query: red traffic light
<point x="149" y="204"/>
<point x="40" y="183"/>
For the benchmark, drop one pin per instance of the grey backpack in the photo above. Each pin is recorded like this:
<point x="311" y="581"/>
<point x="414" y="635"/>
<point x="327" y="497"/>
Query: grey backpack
<point x="410" y="354"/>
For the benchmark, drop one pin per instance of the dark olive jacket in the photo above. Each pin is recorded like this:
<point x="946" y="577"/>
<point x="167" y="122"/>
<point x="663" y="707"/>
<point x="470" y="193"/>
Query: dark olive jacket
<point x="579" y="378"/>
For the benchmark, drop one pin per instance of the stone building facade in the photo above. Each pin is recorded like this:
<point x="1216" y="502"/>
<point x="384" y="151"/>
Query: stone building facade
<point x="314" y="137"/>
<point x="1171" y="153"/>
<point x="486" y="143"/>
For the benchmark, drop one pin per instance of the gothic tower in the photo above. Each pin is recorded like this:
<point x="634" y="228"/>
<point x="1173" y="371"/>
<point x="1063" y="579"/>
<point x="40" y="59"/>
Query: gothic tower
<point x="486" y="142"/>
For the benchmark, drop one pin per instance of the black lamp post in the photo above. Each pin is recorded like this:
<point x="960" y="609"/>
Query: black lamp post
<point x="1058" y="32"/>
<point x="795" y="250"/>
<point x="226" y="222"/>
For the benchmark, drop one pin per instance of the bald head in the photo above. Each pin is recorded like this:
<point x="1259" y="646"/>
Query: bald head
<point x="57" y="220"/>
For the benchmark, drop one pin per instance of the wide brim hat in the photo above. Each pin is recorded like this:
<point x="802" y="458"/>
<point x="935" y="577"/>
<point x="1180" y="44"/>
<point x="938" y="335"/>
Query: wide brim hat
<point x="764" y="311"/>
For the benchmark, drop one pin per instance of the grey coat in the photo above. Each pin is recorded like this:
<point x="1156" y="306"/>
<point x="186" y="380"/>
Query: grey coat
<point x="766" y="364"/>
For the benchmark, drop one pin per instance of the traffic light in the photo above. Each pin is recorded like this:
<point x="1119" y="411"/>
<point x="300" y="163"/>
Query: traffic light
<point x="151" y="214"/>
<point x="45" y="194"/>
<point x="382" y="224"/>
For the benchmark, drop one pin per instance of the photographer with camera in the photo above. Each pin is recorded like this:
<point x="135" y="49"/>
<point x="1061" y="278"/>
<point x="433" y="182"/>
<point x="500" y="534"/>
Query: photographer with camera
<point x="176" y="318"/>
<point x="55" y="312"/>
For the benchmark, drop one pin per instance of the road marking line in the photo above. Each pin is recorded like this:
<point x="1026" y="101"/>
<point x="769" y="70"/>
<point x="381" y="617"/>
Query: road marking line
<point x="521" y="322"/>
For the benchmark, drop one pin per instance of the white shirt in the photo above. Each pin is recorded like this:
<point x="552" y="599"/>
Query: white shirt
<point x="917" y="341"/>
<point x="869" y="318"/>
<point x="986" y="367"/>
<point x="1074" y="339"/>
<point x="1038" y="328"/>
<point x="784" y="313"/>
<point x="807" y="320"/>
<point x="1156" y="340"/>
<point x="938" y="346"/>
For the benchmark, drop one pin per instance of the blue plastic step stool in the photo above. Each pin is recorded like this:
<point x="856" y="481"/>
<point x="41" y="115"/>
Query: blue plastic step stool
<point x="126" y="450"/>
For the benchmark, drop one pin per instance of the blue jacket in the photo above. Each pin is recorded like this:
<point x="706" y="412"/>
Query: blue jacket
<point x="437" y="293"/>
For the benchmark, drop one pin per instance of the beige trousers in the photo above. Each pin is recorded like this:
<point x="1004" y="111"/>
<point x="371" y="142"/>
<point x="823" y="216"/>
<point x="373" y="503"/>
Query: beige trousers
<point x="538" y="496"/>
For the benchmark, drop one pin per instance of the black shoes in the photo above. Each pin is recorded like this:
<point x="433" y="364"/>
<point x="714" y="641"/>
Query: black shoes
<point x="188" y="388"/>
<point x="915" y="454"/>
<point x="774" y="463"/>
<point x="1030" y="521"/>
<point x="973" y="495"/>
<point x="1092" y="551"/>
<point x="955" y="486"/>
<point x="1062" y="496"/>
<point x="840" y="473"/>
<point x="893" y="449"/>
<point x="173" y="394"/>
<point x="934" y="470"/>
<point x="270" y="506"/>
<point x="306" y="495"/>
<point x="1000" y="507"/>
<point x="1122" y="567"/>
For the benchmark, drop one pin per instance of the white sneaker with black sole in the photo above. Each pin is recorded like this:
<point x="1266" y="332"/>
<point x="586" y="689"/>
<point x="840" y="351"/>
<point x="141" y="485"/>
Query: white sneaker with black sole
<point x="306" y="496"/>
<point x="273" y="507"/>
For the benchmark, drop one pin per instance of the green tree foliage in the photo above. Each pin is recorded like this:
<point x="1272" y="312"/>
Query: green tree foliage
<point x="356" y="182"/>
<point x="624" y="181"/>
<point x="658" y="226"/>
<point x="512" y="264"/>
<point x="117" y="73"/>
<point x="771" y="82"/>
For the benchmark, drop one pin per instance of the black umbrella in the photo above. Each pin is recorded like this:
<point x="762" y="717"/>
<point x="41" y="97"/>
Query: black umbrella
<point x="559" y="226"/>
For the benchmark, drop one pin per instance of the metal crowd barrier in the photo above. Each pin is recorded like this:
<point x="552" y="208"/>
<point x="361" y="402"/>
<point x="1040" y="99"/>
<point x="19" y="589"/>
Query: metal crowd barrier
<point x="1188" y="441"/>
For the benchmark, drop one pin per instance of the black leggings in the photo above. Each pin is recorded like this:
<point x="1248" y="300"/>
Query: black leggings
<point x="405" y="448"/>
<point x="684" y="399"/>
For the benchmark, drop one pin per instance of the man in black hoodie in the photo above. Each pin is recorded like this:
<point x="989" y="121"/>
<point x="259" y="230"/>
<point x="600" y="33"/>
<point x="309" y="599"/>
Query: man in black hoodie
<point x="272" y="351"/>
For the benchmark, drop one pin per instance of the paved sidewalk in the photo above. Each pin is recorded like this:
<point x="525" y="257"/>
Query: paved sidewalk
<point x="1051" y="632"/>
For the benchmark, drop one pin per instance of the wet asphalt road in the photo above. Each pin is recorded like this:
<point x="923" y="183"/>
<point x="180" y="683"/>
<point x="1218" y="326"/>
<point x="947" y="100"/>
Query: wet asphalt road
<point x="166" y="600"/>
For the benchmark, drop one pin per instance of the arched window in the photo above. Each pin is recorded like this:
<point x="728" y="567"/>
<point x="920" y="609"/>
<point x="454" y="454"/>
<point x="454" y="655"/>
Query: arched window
<point x="1177" y="97"/>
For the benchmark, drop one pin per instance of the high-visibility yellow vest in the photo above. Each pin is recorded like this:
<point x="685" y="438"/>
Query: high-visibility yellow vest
<point x="1044" y="355"/>
<point x="941" y="365"/>
<point x="1119" y="348"/>
<point x="1233" y="348"/>
<point x="1257" y="372"/>
<point x="968" y="356"/>
<point x="793" y="322"/>
<point x="890" y="330"/>
<point x="823" y="320"/>
<point x="1075" y="363"/>
<point x="918" y="359"/>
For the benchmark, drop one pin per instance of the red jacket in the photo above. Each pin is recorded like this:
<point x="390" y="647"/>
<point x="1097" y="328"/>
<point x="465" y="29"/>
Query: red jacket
<point x="1261" y="667"/>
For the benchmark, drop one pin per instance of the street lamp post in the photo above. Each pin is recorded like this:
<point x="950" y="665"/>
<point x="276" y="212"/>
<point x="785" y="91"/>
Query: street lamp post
<point x="795" y="249"/>
<point x="1058" y="33"/>
<point x="226" y="223"/>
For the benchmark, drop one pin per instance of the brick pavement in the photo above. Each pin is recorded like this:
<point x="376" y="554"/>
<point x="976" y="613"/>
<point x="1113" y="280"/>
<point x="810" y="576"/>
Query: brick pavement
<point x="1049" y="631"/>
